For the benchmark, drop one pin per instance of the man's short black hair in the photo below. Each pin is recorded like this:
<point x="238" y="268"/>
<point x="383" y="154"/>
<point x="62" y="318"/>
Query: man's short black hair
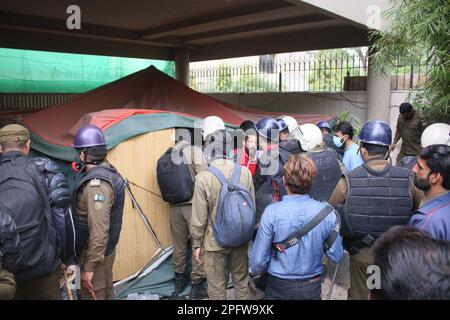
<point x="406" y="107"/>
<point x="96" y="154"/>
<point x="437" y="157"/>
<point x="374" y="149"/>
<point x="345" y="127"/>
<point x="246" y="125"/>
<point x="412" y="266"/>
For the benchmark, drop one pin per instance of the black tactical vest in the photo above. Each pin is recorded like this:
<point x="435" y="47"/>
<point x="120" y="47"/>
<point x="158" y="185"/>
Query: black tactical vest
<point x="328" y="174"/>
<point x="376" y="201"/>
<point x="110" y="175"/>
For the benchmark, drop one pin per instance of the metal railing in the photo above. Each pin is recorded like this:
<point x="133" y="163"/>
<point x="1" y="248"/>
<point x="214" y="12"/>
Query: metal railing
<point x="312" y="73"/>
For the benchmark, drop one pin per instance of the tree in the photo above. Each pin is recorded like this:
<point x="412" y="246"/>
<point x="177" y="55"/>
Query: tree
<point x="328" y="68"/>
<point x="417" y="29"/>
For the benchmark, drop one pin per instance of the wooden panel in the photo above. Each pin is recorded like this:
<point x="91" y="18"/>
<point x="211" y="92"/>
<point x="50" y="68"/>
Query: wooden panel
<point x="136" y="160"/>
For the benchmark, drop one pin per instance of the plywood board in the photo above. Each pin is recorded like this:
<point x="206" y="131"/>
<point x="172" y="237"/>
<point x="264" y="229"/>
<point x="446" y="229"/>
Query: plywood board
<point x="136" y="160"/>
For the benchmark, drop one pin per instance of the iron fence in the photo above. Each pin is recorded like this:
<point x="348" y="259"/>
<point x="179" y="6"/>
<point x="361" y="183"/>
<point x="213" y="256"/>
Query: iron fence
<point x="312" y="73"/>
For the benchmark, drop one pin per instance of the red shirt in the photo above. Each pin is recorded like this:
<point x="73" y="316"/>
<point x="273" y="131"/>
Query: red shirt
<point x="244" y="160"/>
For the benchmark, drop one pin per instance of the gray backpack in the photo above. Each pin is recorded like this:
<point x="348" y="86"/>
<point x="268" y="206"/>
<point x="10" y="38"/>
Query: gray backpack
<point x="235" y="218"/>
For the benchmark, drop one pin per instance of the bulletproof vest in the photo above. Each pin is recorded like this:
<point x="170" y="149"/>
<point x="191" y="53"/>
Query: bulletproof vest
<point x="110" y="175"/>
<point x="24" y="198"/>
<point x="328" y="174"/>
<point x="288" y="147"/>
<point x="376" y="201"/>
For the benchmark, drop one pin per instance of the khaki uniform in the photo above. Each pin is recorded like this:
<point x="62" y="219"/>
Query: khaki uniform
<point x="95" y="200"/>
<point x="364" y="258"/>
<point x="410" y="130"/>
<point x="7" y="284"/>
<point x="42" y="288"/>
<point x="180" y="215"/>
<point x="217" y="260"/>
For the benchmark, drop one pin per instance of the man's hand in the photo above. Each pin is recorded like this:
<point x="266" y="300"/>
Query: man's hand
<point x="86" y="280"/>
<point x="71" y="273"/>
<point x="196" y="254"/>
<point x="392" y="147"/>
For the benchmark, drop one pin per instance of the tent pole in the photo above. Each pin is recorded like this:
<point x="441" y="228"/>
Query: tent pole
<point x="142" y="215"/>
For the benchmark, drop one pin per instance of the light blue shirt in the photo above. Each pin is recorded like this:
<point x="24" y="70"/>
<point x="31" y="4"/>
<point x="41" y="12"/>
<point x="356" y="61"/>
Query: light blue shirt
<point x="352" y="158"/>
<point x="303" y="260"/>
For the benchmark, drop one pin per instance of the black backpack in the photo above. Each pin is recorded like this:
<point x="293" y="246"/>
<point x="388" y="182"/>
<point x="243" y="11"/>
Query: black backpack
<point x="174" y="179"/>
<point x="23" y="197"/>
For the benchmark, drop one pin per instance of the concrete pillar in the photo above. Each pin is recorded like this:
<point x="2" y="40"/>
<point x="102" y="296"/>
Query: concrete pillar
<point x="182" y="57"/>
<point x="378" y="95"/>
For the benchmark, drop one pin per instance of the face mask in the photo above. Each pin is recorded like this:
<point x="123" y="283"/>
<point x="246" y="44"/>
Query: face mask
<point x="337" y="141"/>
<point x="424" y="184"/>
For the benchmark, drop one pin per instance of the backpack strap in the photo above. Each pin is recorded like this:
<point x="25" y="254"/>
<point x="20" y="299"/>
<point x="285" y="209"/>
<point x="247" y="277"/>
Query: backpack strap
<point x="236" y="175"/>
<point x="219" y="175"/>
<point x="295" y="237"/>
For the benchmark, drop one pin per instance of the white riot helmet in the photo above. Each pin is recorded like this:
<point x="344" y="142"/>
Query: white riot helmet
<point x="211" y="124"/>
<point x="291" y="122"/>
<point x="437" y="133"/>
<point x="310" y="136"/>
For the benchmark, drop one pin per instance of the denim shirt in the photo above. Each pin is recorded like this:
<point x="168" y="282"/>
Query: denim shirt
<point x="303" y="260"/>
<point x="352" y="158"/>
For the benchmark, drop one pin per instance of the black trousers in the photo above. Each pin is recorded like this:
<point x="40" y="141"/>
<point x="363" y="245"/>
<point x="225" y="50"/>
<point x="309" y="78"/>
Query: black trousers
<point x="284" y="289"/>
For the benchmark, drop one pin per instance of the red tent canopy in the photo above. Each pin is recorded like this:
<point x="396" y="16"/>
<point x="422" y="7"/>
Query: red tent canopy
<point x="146" y="89"/>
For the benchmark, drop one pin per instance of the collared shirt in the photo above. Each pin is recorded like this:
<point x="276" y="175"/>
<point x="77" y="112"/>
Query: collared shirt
<point x="304" y="260"/>
<point x="433" y="216"/>
<point x="352" y="158"/>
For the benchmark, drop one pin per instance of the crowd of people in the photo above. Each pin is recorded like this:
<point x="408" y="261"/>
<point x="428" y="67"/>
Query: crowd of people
<point x="271" y="200"/>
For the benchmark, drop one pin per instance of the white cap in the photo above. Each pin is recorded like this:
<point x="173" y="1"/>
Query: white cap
<point x="211" y="124"/>
<point x="437" y="133"/>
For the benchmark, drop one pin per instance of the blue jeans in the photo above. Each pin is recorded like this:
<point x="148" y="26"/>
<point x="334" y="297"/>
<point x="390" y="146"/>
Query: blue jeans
<point x="285" y="289"/>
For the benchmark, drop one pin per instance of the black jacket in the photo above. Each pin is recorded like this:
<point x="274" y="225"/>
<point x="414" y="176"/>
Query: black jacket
<point x="10" y="254"/>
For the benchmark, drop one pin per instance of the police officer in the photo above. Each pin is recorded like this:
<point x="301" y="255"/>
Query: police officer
<point x="180" y="216"/>
<point x="218" y="261"/>
<point x="329" y="168"/>
<point x="10" y="256"/>
<point x="39" y="192"/>
<point x="437" y="133"/>
<point x="328" y="138"/>
<point x="377" y="196"/>
<point x="268" y="179"/>
<point x="410" y="125"/>
<point x="97" y="203"/>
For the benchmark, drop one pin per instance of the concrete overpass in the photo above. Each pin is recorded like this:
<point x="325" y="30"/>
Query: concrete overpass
<point x="197" y="30"/>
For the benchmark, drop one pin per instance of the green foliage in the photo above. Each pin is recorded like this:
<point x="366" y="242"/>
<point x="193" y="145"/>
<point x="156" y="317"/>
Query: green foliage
<point x="246" y="80"/>
<point x="419" y="28"/>
<point x="354" y="121"/>
<point x="224" y="80"/>
<point x="330" y="67"/>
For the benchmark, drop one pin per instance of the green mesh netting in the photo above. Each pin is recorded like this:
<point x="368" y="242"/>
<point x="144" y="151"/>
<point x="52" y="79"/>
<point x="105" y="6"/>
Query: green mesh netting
<point x="41" y="71"/>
